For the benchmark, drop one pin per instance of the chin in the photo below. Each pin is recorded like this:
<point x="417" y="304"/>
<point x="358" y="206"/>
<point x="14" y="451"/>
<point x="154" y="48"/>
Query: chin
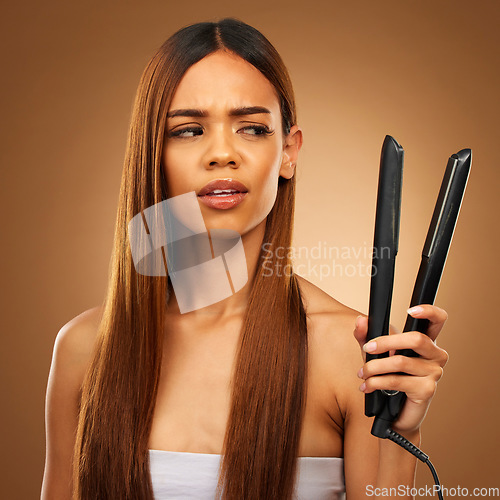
<point x="241" y="225"/>
<point x="218" y="223"/>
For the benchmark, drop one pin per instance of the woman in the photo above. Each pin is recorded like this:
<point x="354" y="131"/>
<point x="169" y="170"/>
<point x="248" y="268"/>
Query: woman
<point x="269" y="374"/>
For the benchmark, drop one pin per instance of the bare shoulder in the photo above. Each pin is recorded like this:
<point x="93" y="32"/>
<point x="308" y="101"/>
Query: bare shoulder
<point x="73" y="348"/>
<point x="77" y="337"/>
<point x="334" y="353"/>
<point x="326" y="315"/>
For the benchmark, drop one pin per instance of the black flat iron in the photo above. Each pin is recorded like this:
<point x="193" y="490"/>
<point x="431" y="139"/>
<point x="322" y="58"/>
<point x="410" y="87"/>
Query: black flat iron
<point x="385" y="406"/>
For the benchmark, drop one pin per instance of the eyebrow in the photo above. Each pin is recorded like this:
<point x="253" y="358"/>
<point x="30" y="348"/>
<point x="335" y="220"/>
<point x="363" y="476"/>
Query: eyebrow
<point x="201" y="113"/>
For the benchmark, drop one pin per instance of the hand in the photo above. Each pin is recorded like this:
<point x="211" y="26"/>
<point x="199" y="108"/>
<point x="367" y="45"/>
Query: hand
<point x="423" y="372"/>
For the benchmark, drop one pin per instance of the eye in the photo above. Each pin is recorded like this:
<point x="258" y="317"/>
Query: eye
<point x="256" y="130"/>
<point x="186" y="132"/>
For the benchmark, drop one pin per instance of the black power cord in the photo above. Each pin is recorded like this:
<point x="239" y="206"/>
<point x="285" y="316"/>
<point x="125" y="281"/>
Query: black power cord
<point x="383" y="431"/>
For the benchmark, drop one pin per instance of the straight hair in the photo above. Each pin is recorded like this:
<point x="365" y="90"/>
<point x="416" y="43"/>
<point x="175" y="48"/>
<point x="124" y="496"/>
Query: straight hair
<point x="118" y="395"/>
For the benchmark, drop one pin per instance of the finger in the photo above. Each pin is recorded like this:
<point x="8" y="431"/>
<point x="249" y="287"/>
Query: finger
<point x="412" y="366"/>
<point x="437" y="318"/>
<point x="419" y="342"/>
<point x="418" y="389"/>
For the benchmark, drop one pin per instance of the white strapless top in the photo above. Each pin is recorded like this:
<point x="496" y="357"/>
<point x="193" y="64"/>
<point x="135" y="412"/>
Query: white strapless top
<point x="193" y="476"/>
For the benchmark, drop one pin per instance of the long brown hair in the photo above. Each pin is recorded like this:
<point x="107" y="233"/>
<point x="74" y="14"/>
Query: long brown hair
<point x="119" y="392"/>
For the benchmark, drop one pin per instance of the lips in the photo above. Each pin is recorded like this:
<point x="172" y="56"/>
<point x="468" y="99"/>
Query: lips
<point x="222" y="194"/>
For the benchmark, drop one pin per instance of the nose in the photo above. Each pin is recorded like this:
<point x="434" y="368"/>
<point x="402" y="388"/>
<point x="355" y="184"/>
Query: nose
<point x="221" y="151"/>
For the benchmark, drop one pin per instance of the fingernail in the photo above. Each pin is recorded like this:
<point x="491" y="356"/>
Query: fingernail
<point x="370" y="346"/>
<point x="360" y="372"/>
<point x="415" y="310"/>
<point x="362" y="387"/>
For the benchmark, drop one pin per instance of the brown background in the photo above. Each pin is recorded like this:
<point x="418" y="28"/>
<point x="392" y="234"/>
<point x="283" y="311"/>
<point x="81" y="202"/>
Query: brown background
<point x="425" y="72"/>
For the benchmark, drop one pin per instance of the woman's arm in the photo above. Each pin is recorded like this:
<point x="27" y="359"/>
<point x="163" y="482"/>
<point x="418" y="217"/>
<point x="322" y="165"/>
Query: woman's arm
<point x="72" y="349"/>
<point x="378" y="463"/>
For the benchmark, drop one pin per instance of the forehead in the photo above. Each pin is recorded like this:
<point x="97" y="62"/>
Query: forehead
<point x="224" y="80"/>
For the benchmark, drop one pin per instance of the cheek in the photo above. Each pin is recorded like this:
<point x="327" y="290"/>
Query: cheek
<point x="175" y="167"/>
<point x="267" y="156"/>
<point x="267" y="178"/>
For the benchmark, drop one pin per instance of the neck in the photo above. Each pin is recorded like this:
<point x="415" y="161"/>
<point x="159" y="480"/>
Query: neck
<point x="235" y="302"/>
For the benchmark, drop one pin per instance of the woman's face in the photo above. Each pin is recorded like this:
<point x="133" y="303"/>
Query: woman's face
<point x="224" y="141"/>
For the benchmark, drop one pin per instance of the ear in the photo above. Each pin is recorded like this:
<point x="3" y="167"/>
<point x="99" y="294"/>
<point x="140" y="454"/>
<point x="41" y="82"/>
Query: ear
<point x="291" y="148"/>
